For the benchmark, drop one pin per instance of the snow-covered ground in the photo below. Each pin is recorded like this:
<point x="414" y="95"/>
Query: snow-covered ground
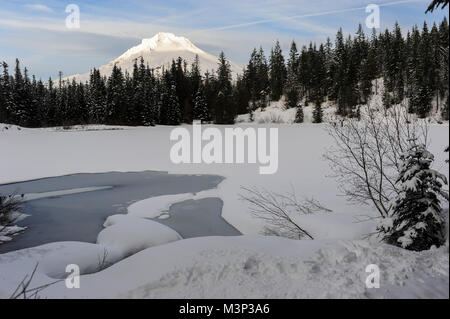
<point x="276" y="111"/>
<point x="235" y="267"/>
<point x="332" y="265"/>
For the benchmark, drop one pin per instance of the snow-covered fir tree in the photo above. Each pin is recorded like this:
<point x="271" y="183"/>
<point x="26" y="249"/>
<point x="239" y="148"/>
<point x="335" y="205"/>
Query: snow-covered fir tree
<point x="292" y="90"/>
<point x="317" y="113"/>
<point x="416" y="222"/>
<point x="174" y="115"/>
<point x="201" y="111"/>
<point x="277" y="72"/>
<point x="299" y="117"/>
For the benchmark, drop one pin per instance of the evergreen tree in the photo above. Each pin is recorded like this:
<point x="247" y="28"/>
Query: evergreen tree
<point x="299" y="118"/>
<point x="317" y="113"/>
<point x="149" y="113"/>
<point x="180" y="77"/>
<point x="435" y="4"/>
<point x="195" y="79"/>
<point x="340" y="74"/>
<point x="18" y="107"/>
<point x="6" y="96"/>
<point x="292" y="87"/>
<point x="257" y="79"/>
<point x="81" y="104"/>
<point x="395" y="64"/>
<point x="241" y="96"/>
<point x="97" y="98"/>
<point x="137" y="114"/>
<point x="277" y="73"/>
<point x="318" y="75"/>
<point x="443" y="67"/>
<point x="423" y="92"/>
<point x="201" y="111"/>
<point x="416" y="221"/>
<point x="115" y="98"/>
<point x="174" y="115"/>
<point x="444" y="111"/>
<point x="224" y="107"/>
<point x="50" y="102"/>
<point x="209" y="87"/>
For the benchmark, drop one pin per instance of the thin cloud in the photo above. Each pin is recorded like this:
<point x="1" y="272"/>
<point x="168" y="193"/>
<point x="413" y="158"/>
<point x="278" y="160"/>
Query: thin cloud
<point x="40" y="7"/>
<point x="308" y="15"/>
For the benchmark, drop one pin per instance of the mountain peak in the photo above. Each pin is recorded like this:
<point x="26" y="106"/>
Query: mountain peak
<point x="158" y="51"/>
<point x="163" y="41"/>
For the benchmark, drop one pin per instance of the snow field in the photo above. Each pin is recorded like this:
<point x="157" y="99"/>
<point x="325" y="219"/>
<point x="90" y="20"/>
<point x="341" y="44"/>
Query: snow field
<point x="246" y="266"/>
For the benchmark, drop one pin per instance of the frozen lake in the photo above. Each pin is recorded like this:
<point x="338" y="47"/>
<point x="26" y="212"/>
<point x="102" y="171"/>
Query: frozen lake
<point x="79" y="215"/>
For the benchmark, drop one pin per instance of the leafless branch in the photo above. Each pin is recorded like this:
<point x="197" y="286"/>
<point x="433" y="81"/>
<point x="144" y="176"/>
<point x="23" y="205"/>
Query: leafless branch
<point x="277" y="210"/>
<point x="23" y="290"/>
<point x="365" y="155"/>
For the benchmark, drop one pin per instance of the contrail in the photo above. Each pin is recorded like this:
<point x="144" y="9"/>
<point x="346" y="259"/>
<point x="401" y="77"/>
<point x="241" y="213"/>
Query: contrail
<point x="308" y="15"/>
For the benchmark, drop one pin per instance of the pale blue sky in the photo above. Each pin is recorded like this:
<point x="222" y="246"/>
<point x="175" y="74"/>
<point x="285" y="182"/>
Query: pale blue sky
<point x="35" y="32"/>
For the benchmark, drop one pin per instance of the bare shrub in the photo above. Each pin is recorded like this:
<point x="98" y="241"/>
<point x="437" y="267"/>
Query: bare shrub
<point x="103" y="260"/>
<point x="366" y="154"/>
<point x="8" y="205"/>
<point x="23" y="290"/>
<point x="279" y="210"/>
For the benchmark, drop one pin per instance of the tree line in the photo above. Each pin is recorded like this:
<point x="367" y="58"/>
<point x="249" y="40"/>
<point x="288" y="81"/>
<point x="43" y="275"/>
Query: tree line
<point x="414" y="69"/>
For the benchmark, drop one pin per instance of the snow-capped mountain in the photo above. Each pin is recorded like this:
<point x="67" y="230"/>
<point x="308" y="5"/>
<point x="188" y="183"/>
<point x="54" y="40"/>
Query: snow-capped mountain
<point x="160" y="51"/>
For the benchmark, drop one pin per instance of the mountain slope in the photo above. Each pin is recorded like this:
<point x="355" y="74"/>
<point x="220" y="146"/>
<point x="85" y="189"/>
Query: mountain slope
<point x="158" y="52"/>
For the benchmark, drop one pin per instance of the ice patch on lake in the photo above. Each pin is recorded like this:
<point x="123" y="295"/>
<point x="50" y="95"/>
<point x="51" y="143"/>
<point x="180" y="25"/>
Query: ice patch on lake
<point x="33" y="196"/>
<point x="158" y="206"/>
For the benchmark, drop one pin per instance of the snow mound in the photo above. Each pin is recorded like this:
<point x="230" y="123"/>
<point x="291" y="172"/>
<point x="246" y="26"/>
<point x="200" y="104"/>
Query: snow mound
<point x="267" y="267"/>
<point x="126" y="235"/>
<point x="90" y="258"/>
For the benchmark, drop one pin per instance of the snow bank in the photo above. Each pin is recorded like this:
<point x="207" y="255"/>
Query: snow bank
<point x="126" y="235"/>
<point x="123" y="236"/>
<point x="257" y="267"/>
<point x="10" y="127"/>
